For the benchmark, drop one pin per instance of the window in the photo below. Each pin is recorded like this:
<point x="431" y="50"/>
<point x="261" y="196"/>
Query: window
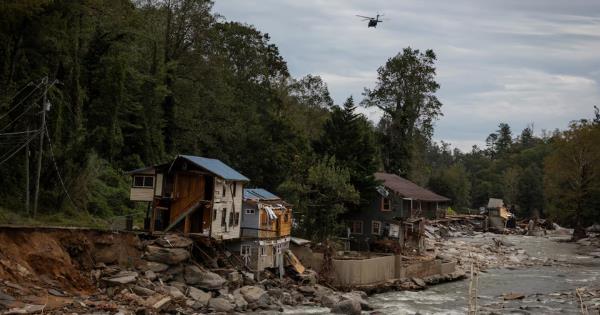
<point x="234" y="188"/>
<point x="231" y="217"/>
<point x="143" y="181"/>
<point x="237" y="219"/>
<point x="250" y="211"/>
<point x="214" y="214"/>
<point x="245" y="250"/>
<point x="386" y="204"/>
<point x="224" y="217"/>
<point x="286" y="217"/>
<point x="263" y="251"/>
<point x="356" y="227"/>
<point x="376" y="227"/>
<point x="224" y="188"/>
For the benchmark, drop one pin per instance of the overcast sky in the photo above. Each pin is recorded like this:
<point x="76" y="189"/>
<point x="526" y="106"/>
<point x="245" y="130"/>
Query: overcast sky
<point x="513" y="61"/>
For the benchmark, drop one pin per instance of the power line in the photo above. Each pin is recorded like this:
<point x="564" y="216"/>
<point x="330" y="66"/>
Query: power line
<point x="62" y="183"/>
<point x="23" y="99"/>
<point x="16" y="151"/>
<point x="17" y="133"/>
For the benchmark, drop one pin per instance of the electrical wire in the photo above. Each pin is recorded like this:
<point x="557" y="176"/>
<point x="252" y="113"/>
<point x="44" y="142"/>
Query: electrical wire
<point x="62" y="183"/>
<point x="23" y="99"/>
<point x="11" y="154"/>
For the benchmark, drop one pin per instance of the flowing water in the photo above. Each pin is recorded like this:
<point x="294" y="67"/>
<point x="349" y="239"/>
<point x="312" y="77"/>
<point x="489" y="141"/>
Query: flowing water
<point x="545" y="288"/>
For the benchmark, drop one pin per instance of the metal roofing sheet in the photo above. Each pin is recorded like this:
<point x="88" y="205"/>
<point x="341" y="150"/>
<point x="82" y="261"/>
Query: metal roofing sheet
<point x="259" y="193"/>
<point x="216" y="167"/>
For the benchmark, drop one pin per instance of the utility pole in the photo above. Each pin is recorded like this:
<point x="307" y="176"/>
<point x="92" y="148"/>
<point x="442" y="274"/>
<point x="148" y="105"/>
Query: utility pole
<point x="27" y="174"/>
<point x="41" y="131"/>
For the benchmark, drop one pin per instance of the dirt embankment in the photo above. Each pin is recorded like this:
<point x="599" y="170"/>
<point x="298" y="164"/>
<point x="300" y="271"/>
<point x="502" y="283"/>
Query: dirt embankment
<point x="36" y="259"/>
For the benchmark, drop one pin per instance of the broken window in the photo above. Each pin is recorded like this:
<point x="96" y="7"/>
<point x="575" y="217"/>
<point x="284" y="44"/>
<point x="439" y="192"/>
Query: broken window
<point x="143" y="181"/>
<point x="356" y="227"/>
<point x="386" y="205"/>
<point x="376" y="227"/>
<point x="245" y="250"/>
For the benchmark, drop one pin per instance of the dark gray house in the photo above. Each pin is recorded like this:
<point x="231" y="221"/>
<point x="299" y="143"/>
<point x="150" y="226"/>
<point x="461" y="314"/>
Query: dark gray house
<point x="395" y="219"/>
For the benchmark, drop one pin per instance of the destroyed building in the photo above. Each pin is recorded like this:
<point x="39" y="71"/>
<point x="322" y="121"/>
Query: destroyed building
<point x="191" y="194"/>
<point x="395" y="218"/>
<point x="265" y="230"/>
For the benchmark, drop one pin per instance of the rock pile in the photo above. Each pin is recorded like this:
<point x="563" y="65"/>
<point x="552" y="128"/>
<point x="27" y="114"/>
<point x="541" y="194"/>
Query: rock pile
<point x="167" y="280"/>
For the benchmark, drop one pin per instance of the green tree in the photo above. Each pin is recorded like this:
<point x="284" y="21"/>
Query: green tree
<point x="320" y="197"/>
<point x="349" y="137"/>
<point x="453" y="183"/>
<point x="405" y="92"/>
<point x="530" y="195"/>
<point x="572" y="176"/>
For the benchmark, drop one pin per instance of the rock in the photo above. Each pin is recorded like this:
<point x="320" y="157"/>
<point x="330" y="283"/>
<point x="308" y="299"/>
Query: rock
<point x="162" y="303"/>
<point x="360" y="297"/>
<point x="174" y="292"/>
<point x="199" y="295"/>
<point x="514" y="259"/>
<point x="150" y="275"/>
<point x="419" y="282"/>
<point x="203" y="279"/>
<point x="179" y="285"/>
<point x="254" y="294"/>
<point x="27" y="309"/>
<point x="220" y="305"/>
<point x="123" y="277"/>
<point x="174" y="240"/>
<point x="513" y="296"/>
<point x="156" y="266"/>
<point x="349" y="307"/>
<point x="330" y="300"/>
<point x="322" y="290"/>
<point x="56" y="292"/>
<point x="139" y="290"/>
<point x="170" y="256"/>
<point x="306" y="290"/>
<point x="240" y="302"/>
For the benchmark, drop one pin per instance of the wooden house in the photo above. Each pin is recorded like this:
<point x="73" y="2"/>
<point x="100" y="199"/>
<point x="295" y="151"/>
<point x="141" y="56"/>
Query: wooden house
<point x="396" y="215"/>
<point x="191" y="194"/>
<point x="265" y="230"/>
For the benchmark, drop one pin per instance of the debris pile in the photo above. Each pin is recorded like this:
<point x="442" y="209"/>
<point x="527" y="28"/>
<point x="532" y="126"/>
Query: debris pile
<point x="164" y="277"/>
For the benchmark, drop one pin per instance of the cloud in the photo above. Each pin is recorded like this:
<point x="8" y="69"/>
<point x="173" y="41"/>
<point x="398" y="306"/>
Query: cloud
<point x="508" y="61"/>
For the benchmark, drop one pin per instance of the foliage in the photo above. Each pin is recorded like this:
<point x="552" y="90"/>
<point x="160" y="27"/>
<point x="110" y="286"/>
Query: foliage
<point x="321" y="196"/>
<point x="405" y="92"/>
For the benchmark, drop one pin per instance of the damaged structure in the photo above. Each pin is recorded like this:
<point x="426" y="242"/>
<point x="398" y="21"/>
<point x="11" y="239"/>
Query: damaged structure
<point x="191" y="194"/>
<point x="395" y="220"/>
<point x="265" y="230"/>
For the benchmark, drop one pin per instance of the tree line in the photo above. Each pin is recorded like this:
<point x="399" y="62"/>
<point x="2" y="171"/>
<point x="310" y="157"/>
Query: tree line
<point x="137" y="82"/>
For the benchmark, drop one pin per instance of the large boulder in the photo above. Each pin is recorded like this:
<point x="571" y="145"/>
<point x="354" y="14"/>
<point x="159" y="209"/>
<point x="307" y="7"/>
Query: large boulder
<point x="174" y="240"/>
<point x="202" y="278"/>
<point x="170" y="256"/>
<point x="220" y="305"/>
<point x="199" y="295"/>
<point x="254" y="294"/>
<point x="123" y="277"/>
<point x="330" y="300"/>
<point x="360" y="297"/>
<point x="348" y="307"/>
<point x="155" y="266"/>
<point x="174" y="292"/>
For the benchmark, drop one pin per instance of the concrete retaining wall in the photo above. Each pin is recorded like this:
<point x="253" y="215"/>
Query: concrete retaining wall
<point x="364" y="271"/>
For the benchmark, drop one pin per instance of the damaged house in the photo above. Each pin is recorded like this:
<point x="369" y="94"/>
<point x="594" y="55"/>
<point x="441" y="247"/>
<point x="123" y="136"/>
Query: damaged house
<point x="191" y="194"/>
<point x="396" y="217"/>
<point x="265" y="230"/>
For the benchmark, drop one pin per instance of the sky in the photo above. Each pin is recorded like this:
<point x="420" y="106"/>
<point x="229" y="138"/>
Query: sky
<point x="516" y="61"/>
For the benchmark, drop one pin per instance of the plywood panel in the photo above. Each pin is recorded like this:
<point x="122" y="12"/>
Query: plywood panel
<point x="141" y="194"/>
<point x="188" y="189"/>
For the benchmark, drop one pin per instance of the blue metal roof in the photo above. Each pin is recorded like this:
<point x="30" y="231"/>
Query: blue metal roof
<point x="259" y="193"/>
<point x="216" y="167"/>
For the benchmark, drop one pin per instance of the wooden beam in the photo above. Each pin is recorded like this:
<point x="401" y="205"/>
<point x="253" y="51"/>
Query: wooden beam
<point x="187" y="225"/>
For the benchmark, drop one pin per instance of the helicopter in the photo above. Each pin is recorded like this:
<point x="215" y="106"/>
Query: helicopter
<point x="372" y="21"/>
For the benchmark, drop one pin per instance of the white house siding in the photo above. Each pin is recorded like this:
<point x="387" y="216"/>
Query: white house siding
<point x="230" y="204"/>
<point x="158" y="183"/>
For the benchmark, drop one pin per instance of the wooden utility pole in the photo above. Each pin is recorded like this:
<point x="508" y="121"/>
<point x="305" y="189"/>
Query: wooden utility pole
<point x="42" y="129"/>
<point x="27" y="174"/>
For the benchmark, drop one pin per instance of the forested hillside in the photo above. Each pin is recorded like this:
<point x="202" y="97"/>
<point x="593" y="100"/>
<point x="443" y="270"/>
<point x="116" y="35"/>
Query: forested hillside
<point x="133" y="83"/>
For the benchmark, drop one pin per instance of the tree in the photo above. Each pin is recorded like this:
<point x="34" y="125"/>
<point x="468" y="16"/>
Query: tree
<point x="510" y="185"/>
<point x="530" y="195"/>
<point x="453" y="183"/>
<point x="405" y="92"/>
<point x="348" y="136"/>
<point x="572" y="175"/>
<point x="504" y="140"/>
<point x="320" y="196"/>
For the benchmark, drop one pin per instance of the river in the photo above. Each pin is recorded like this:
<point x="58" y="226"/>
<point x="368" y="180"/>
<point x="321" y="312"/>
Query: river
<point x="548" y="289"/>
